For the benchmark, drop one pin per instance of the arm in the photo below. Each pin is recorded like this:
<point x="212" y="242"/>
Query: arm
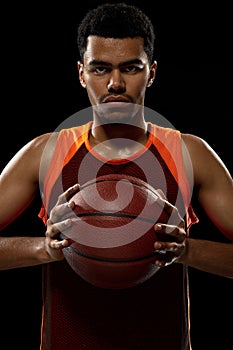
<point x="214" y="189"/>
<point x="19" y="184"/>
<point x="209" y="256"/>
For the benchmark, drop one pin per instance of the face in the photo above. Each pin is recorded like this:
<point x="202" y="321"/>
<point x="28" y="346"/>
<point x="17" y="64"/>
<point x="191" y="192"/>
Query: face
<point x="116" y="72"/>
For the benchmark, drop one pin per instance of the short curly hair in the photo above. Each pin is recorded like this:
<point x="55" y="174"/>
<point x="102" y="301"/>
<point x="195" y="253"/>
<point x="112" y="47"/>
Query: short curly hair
<point x="118" y="20"/>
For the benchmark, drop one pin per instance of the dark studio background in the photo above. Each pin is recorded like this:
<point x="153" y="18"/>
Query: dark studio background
<point x="40" y="88"/>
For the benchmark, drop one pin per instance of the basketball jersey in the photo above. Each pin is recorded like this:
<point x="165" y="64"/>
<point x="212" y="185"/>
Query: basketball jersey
<point x="153" y="315"/>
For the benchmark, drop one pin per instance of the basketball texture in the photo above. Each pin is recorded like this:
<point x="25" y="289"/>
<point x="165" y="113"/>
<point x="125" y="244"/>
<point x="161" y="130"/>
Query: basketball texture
<point x="112" y="236"/>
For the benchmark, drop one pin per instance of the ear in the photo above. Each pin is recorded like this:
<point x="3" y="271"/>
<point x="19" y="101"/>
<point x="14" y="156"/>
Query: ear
<point x="152" y="74"/>
<point x="80" y="72"/>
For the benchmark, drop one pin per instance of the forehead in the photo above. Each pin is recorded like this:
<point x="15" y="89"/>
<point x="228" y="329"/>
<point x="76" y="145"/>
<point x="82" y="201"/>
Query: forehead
<point x="114" y="50"/>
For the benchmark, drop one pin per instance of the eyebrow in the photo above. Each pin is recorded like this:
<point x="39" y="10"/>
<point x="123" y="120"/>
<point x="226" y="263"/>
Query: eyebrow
<point x="125" y="63"/>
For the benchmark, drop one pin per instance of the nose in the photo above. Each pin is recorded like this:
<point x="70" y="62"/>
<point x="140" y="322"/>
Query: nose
<point x="116" y="82"/>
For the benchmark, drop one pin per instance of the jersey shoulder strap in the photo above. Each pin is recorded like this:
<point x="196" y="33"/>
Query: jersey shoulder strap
<point x="68" y="142"/>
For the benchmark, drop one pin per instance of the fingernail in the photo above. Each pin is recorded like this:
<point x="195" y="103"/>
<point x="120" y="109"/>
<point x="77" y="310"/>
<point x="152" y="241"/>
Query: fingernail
<point x="158" y="227"/>
<point x="158" y="245"/>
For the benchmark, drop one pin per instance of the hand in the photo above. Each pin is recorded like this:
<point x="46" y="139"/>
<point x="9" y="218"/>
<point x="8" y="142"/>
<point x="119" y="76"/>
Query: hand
<point x="56" y="224"/>
<point x="172" y="237"/>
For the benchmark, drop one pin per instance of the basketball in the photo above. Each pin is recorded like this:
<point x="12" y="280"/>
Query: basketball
<point x="112" y="233"/>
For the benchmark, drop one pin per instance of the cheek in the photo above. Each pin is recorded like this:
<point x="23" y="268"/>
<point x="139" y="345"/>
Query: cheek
<point x="139" y="86"/>
<point x="94" y="91"/>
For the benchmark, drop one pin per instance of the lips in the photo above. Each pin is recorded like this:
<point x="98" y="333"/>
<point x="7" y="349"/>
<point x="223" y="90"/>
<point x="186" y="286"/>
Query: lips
<point x="116" y="98"/>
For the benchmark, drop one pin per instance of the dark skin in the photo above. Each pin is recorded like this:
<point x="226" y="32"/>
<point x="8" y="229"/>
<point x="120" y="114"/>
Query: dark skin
<point x="118" y="80"/>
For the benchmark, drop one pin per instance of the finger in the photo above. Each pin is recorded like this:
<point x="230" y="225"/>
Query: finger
<point x="64" y="208"/>
<point x="174" y="215"/>
<point x="161" y="193"/>
<point x="55" y="229"/>
<point x="162" y="263"/>
<point x="170" y="232"/>
<point x="172" y="211"/>
<point x="167" y="247"/>
<point x="56" y="244"/>
<point x="165" y="258"/>
<point x="65" y="196"/>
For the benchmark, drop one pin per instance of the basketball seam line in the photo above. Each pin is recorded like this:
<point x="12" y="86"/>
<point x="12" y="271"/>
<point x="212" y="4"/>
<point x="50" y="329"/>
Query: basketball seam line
<point x="152" y="255"/>
<point x="117" y="215"/>
<point x="147" y="186"/>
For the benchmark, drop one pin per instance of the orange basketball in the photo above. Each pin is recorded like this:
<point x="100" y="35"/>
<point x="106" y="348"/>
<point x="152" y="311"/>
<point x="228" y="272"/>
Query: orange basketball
<point x="113" y="233"/>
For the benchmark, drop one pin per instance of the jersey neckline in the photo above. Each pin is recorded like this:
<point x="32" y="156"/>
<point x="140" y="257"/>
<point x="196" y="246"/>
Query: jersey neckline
<point x="134" y="156"/>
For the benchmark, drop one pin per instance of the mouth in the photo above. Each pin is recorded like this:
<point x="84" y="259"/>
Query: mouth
<point x="116" y="99"/>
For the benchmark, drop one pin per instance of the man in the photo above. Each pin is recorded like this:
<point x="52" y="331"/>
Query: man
<point x="116" y="67"/>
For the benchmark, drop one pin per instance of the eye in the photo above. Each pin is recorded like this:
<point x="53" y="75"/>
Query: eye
<point x="132" y="68"/>
<point x="100" y="70"/>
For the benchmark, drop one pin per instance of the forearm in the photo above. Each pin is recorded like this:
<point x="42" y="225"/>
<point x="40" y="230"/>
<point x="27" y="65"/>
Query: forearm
<point x="16" y="252"/>
<point x="209" y="256"/>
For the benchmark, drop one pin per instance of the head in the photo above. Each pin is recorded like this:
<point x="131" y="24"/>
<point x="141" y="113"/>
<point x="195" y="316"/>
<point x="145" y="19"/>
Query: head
<point x="116" y="47"/>
<point x="116" y="21"/>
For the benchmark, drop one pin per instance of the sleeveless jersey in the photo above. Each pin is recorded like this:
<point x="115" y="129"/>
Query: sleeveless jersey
<point x="153" y="315"/>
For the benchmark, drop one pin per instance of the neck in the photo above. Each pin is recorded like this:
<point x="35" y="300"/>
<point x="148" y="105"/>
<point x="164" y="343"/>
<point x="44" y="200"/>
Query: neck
<point x="119" y="120"/>
<point x="118" y="140"/>
<point x="113" y="131"/>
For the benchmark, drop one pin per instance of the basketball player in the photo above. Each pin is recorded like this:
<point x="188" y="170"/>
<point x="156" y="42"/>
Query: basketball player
<point x="116" y="67"/>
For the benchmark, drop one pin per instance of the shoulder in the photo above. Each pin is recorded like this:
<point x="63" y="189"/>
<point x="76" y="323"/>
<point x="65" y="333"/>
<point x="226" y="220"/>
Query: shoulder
<point x="206" y="163"/>
<point x="29" y="157"/>
<point x="39" y="142"/>
<point x="198" y="148"/>
<point x="35" y="147"/>
<point x="191" y="140"/>
<point x="42" y="148"/>
<point x="25" y="164"/>
<point x="32" y="151"/>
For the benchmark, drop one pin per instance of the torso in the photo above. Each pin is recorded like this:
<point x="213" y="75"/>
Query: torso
<point x="102" y="319"/>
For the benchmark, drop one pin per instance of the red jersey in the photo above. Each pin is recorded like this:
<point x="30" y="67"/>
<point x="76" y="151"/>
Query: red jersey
<point x="152" y="315"/>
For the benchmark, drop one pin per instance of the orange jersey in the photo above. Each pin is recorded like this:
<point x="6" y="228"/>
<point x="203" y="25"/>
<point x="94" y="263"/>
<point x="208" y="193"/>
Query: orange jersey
<point x="152" y="315"/>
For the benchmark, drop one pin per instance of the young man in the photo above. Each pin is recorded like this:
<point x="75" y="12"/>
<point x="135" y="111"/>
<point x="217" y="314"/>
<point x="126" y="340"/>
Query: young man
<point x="116" y="67"/>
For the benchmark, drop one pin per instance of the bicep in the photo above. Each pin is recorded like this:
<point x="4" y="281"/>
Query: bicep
<point x="19" y="182"/>
<point x="216" y="199"/>
<point x="214" y="185"/>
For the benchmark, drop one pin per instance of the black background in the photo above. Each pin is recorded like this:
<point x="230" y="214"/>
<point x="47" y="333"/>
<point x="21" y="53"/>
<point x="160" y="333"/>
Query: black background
<point x="40" y="88"/>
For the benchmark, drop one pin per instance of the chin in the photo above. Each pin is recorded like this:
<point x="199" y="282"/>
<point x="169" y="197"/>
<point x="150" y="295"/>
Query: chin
<point x="117" y="113"/>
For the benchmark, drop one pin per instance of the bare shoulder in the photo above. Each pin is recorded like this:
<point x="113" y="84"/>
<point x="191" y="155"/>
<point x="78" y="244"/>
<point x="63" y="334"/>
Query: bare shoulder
<point x="43" y="148"/>
<point x="198" y="148"/>
<point x="29" y="156"/>
<point x="193" y="141"/>
<point x="205" y="161"/>
<point x="35" y="148"/>
<point x="40" y="142"/>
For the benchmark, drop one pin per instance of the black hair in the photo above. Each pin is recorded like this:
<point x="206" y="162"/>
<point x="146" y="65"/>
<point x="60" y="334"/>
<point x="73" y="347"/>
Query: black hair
<point x="119" y="20"/>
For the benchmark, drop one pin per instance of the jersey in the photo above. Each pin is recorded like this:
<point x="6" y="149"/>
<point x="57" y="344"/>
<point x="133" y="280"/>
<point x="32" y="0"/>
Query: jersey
<point x="152" y="315"/>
